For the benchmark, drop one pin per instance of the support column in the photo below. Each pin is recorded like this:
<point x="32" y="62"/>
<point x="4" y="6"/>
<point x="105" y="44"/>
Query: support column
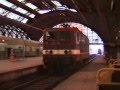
<point x="111" y="50"/>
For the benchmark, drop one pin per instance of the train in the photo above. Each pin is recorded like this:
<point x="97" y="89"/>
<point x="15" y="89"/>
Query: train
<point x="19" y="47"/>
<point x="64" y="48"/>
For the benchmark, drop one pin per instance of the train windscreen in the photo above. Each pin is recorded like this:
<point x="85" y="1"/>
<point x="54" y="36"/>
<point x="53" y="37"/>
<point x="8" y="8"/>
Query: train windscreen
<point x="59" y="35"/>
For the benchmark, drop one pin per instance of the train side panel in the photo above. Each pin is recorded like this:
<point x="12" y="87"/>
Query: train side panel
<point x="21" y="48"/>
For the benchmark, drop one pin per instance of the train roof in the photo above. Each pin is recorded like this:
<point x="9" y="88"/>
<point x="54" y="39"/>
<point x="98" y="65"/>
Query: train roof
<point x="62" y="29"/>
<point x="16" y="41"/>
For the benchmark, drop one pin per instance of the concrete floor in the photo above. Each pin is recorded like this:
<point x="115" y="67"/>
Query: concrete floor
<point x="84" y="79"/>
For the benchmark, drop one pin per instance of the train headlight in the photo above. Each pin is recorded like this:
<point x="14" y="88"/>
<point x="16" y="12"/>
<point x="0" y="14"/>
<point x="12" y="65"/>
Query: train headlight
<point x="70" y="52"/>
<point x="61" y="52"/>
<point x="51" y="52"/>
<point x="67" y="51"/>
<point x="46" y="52"/>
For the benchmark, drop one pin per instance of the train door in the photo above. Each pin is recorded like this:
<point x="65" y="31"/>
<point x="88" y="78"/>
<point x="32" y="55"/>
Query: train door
<point x="8" y="52"/>
<point x="37" y="52"/>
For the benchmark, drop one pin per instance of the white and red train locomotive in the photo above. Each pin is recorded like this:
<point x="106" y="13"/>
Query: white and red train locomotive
<point x="64" y="48"/>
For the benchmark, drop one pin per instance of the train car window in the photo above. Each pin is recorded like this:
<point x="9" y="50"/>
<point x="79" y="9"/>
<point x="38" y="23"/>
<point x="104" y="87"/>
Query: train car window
<point x="47" y="36"/>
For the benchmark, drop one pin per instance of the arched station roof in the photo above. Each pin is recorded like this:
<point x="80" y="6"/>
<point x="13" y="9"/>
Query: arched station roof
<point x="102" y="16"/>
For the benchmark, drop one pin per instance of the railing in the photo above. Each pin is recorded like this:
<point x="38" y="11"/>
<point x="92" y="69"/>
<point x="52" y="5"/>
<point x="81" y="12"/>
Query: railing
<point x="113" y="61"/>
<point x="109" y="78"/>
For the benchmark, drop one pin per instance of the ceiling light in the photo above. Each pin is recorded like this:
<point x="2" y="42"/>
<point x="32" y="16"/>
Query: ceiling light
<point x="3" y="40"/>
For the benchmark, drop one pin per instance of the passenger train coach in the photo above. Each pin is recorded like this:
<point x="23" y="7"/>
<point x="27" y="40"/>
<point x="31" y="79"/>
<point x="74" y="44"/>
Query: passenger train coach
<point x="64" y="48"/>
<point x="19" y="47"/>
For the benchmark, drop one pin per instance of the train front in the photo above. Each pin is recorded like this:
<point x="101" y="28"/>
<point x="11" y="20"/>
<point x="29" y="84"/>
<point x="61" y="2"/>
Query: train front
<point x="57" y="46"/>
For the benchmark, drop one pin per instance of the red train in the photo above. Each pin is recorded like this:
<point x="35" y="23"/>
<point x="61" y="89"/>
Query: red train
<point x="64" y="48"/>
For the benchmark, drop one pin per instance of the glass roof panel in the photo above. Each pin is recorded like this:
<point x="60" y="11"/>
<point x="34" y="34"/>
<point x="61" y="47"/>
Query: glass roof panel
<point x="32" y="15"/>
<point x="73" y="10"/>
<point x="56" y="3"/>
<point x="31" y="6"/>
<point x="21" y="10"/>
<point x="43" y="11"/>
<point x="6" y="3"/>
<point x="2" y="12"/>
<point x="21" y="0"/>
<point x="14" y="16"/>
<point x="24" y="20"/>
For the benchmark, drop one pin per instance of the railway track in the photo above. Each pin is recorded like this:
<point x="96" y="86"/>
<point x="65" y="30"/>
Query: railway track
<point x="37" y="81"/>
<point x="45" y="83"/>
<point x="21" y="80"/>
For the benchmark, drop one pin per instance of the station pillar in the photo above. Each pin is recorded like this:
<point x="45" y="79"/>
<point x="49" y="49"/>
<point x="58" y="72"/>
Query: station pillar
<point x="111" y="50"/>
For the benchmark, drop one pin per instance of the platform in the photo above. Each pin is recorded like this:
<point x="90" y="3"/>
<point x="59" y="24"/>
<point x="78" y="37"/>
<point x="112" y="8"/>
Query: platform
<point x="84" y="79"/>
<point x="13" y="69"/>
<point x="9" y="65"/>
